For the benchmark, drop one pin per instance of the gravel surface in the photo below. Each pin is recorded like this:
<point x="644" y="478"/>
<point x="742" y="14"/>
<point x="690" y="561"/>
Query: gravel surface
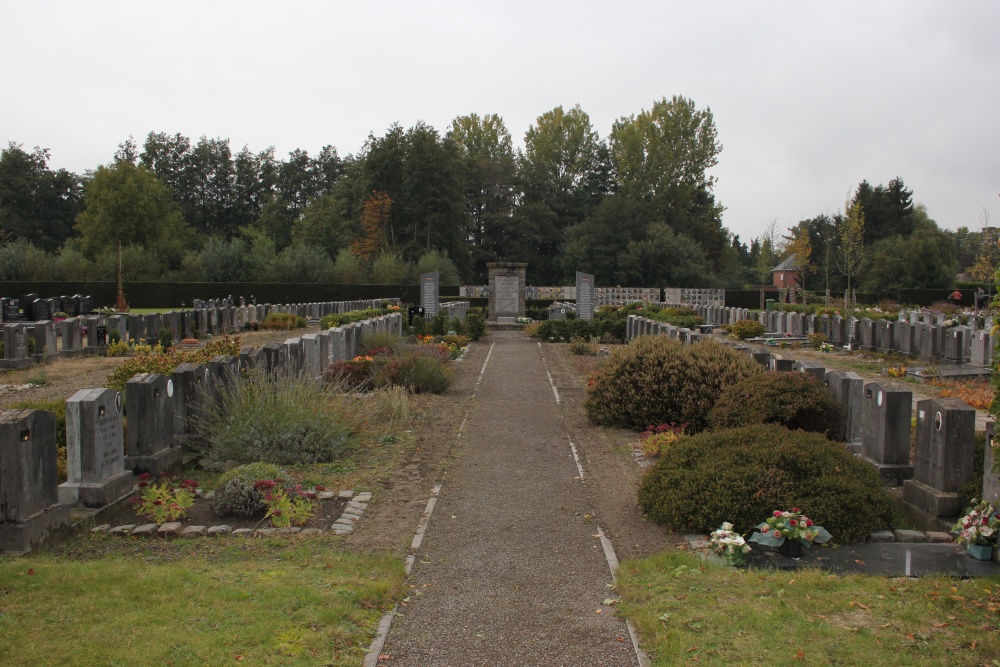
<point x="511" y="570"/>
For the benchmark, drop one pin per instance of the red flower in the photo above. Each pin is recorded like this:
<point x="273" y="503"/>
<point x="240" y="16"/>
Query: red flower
<point x="809" y="523"/>
<point x="776" y="533"/>
<point x="145" y="475"/>
<point x="277" y="512"/>
<point x="157" y="502"/>
<point x="795" y="509"/>
<point x="143" y="484"/>
<point x="320" y="487"/>
<point x="794" y="522"/>
<point x="165" y="475"/>
<point x="777" y="513"/>
<point x="190" y="482"/>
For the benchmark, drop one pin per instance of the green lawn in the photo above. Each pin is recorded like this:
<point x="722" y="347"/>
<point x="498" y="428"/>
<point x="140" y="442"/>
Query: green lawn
<point x="691" y="612"/>
<point x="114" y="601"/>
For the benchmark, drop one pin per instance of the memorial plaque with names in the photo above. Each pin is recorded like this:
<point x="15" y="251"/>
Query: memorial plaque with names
<point x="584" y="296"/>
<point x="506" y="296"/>
<point x="429" y="291"/>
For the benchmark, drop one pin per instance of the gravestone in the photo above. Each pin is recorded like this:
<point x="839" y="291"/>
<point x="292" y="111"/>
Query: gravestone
<point x="95" y="449"/>
<point x="44" y="332"/>
<point x="15" y="347"/>
<point x="506" y="297"/>
<point x="350" y="341"/>
<point x="40" y="310"/>
<point x="585" y="291"/>
<point x="275" y="358"/>
<point x="71" y="331"/>
<point x="991" y="481"/>
<point x="982" y="348"/>
<point x="190" y="391"/>
<point x="847" y="389"/>
<point x="86" y="305"/>
<point x="779" y="363"/>
<point x="10" y="309"/>
<point x="296" y="356"/>
<point x="338" y="349"/>
<point x="97" y="335"/>
<point x="30" y="511"/>
<point x="885" y="431"/>
<point x="117" y="324"/>
<point x="906" y="338"/>
<point x="930" y="342"/>
<point x="150" y="437"/>
<point x="28" y="306"/>
<point x="430" y="288"/>
<point x="943" y="457"/>
<point x="316" y="352"/>
<point x="816" y="370"/>
<point x="954" y="344"/>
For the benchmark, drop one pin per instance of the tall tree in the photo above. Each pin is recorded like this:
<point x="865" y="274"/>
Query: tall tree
<point x="663" y="156"/>
<point x="36" y="203"/>
<point x="566" y="168"/>
<point x="798" y="245"/>
<point x="851" y="248"/>
<point x="128" y="204"/>
<point x="490" y="171"/>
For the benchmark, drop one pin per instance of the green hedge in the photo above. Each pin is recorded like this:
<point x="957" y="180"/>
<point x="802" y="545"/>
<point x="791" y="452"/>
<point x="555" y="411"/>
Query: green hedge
<point x="172" y="295"/>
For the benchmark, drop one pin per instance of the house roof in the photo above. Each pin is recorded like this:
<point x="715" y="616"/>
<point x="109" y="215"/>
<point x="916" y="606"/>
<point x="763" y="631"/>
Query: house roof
<point x="790" y="264"/>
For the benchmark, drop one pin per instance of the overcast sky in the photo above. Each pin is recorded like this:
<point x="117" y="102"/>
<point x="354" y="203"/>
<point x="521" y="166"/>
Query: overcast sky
<point x="808" y="98"/>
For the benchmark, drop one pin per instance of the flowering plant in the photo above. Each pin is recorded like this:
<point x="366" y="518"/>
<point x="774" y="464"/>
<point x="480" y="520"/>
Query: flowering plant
<point x="286" y="505"/>
<point x="731" y="546"/>
<point x="164" y="501"/>
<point x="791" y="525"/>
<point x="979" y="525"/>
<point x="656" y="439"/>
<point x="825" y="347"/>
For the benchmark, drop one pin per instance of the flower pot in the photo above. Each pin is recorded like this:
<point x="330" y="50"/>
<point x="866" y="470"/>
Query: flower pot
<point x="980" y="551"/>
<point x="790" y="548"/>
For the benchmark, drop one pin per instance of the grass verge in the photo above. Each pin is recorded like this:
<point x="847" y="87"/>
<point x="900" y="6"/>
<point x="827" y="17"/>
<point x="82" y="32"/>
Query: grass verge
<point x="115" y="601"/>
<point x="691" y="612"/>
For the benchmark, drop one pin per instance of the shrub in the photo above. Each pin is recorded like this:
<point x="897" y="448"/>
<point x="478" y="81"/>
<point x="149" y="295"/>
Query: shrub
<point x="379" y="341"/>
<point x="283" y="420"/>
<point x="656" y="380"/>
<point x="166" y="362"/>
<point x="426" y="374"/>
<point x="166" y="338"/>
<point x="476" y="326"/>
<point x="236" y="494"/>
<point x="816" y="340"/>
<point x="742" y="475"/>
<point x="439" y="324"/>
<point x="283" y="322"/>
<point x="794" y="400"/>
<point x="580" y="346"/>
<point x="747" y="329"/>
<point x="114" y="337"/>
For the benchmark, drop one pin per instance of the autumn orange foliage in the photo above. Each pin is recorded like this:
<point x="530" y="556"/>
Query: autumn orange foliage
<point x="374" y="226"/>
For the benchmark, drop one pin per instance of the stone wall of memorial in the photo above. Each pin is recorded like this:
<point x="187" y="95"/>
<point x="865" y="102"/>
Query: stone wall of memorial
<point x="507" y="283"/>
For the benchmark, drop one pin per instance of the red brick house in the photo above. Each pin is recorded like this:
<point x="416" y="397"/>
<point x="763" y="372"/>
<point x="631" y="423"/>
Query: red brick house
<point x="786" y="274"/>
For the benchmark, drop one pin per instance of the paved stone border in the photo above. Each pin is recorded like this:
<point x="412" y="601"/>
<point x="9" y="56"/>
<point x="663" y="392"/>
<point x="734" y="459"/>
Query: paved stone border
<point x="356" y="506"/>
<point x="701" y="542"/>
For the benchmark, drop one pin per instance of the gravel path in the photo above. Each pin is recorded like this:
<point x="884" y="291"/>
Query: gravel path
<point x="511" y="569"/>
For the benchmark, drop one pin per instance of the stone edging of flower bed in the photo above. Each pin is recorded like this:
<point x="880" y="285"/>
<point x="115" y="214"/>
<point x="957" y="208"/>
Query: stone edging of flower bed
<point x="356" y="506"/>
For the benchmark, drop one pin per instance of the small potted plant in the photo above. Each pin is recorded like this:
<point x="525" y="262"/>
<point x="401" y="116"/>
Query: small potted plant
<point x="978" y="529"/>
<point x="789" y="531"/>
<point x="728" y="544"/>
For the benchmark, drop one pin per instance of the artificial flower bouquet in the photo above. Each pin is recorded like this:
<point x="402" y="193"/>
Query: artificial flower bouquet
<point x="790" y="525"/>
<point x="728" y="544"/>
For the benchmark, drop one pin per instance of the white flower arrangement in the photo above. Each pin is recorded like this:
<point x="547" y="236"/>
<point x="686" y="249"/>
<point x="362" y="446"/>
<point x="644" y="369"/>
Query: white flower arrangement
<point x="980" y="525"/>
<point x="728" y="544"/>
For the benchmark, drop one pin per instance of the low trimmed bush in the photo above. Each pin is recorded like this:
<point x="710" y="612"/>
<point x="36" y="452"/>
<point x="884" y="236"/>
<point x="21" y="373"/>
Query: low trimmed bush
<point x="794" y="400"/>
<point x="656" y="380"/>
<point x="282" y="420"/>
<point x="283" y="322"/>
<point x="742" y="475"/>
<point x="476" y="325"/>
<point x="236" y="494"/>
<point x="747" y="329"/>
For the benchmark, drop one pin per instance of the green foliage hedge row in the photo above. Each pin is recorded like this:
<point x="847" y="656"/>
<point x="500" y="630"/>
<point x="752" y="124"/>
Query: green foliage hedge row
<point x="742" y="475"/>
<point x="793" y="400"/>
<point x="566" y="330"/>
<point x="656" y="380"/>
<point x="744" y="329"/>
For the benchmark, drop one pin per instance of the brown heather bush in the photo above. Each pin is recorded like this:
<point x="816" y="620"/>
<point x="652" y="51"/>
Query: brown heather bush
<point x="747" y="329"/>
<point x="742" y="475"/>
<point x="794" y="400"/>
<point x="655" y="380"/>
